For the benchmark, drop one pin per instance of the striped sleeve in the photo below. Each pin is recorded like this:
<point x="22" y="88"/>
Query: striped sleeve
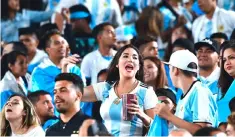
<point x="150" y="100"/>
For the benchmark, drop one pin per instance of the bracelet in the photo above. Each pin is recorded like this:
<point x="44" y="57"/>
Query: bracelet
<point x="149" y="124"/>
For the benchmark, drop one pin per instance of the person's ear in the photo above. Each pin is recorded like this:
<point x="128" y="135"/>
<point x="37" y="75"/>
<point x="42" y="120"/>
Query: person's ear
<point x="10" y="66"/>
<point x="79" y="95"/>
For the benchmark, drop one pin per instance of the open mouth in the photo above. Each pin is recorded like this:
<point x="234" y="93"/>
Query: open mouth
<point x="57" y="101"/>
<point x="8" y="110"/>
<point x="129" y="67"/>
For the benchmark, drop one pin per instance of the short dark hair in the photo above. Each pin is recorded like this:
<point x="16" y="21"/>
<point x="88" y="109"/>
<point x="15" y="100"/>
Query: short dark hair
<point x="99" y="28"/>
<point x="206" y="131"/>
<point x="219" y="35"/>
<point x="9" y="58"/>
<point x="34" y="96"/>
<point x="18" y="46"/>
<point x="71" y="77"/>
<point x="80" y="7"/>
<point x="141" y="40"/>
<point x="102" y="72"/>
<point x="232" y="104"/>
<point x="45" y="40"/>
<point x="187" y="73"/>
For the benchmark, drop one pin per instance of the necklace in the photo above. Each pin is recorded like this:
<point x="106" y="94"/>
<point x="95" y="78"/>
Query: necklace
<point x="117" y="100"/>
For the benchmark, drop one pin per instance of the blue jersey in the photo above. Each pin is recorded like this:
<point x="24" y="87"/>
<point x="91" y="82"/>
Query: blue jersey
<point x="43" y="78"/>
<point x="223" y="104"/>
<point x="111" y="112"/>
<point x="197" y="105"/>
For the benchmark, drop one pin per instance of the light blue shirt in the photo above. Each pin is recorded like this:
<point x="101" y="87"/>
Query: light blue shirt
<point x="9" y="28"/>
<point x="197" y="105"/>
<point x="43" y="78"/>
<point x="223" y="104"/>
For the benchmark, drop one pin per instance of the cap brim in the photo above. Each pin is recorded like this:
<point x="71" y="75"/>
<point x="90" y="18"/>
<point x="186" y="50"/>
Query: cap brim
<point x="202" y="44"/>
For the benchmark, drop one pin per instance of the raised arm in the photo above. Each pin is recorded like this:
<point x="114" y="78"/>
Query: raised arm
<point x="89" y="94"/>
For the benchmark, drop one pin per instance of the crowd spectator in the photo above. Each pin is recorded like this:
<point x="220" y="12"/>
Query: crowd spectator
<point x="42" y="102"/>
<point x="124" y="77"/>
<point x="100" y="58"/>
<point x="77" y="30"/>
<point x="208" y="59"/>
<point x="219" y="37"/>
<point x="226" y="81"/>
<point x="12" y="19"/>
<point x="19" y="118"/>
<point x="184" y="67"/>
<point x="14" y="77"/>
<point x="68" y="92"/>
<point x="154" y="73"/>
<point x="230" y="130"/>
<point x="147" y="45"/>
<point x="214" y="20"/>
<point x="29" y="38"/>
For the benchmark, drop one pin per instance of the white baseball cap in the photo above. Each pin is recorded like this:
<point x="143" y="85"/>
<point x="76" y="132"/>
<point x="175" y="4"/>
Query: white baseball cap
<point x="182" y="58"/>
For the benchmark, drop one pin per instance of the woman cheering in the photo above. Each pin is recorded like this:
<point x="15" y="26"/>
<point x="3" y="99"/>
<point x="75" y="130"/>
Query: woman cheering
<point x="125" y="76"/>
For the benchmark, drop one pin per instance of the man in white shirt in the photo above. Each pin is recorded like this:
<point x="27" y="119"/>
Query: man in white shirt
<point x="101" y="58"/>
<point x="214" y="20"/>
<point x="208" y="59"/>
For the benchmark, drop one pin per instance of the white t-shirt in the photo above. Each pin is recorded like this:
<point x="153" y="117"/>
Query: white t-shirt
<point x="222" y="21"/>
<point x="93" y="63"/>
<point x="35" y="132"/>
<point x="111" y="113"/>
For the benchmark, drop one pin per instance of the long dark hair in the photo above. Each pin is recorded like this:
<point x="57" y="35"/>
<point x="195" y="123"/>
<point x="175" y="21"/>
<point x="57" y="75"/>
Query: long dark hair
<point x="225" y="79"/>
<point x="161" y="80"/>
<point x="5" y="9"/>
<point x="113" y="71"/>
<point x="9" y="58"/>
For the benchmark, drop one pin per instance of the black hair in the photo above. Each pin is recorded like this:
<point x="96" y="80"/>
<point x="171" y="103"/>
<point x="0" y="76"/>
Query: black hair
<point x="99" y="28"/>
<point x="219" y="35"/>
<point x="9" y="58"/>
<point x="232" y="104"/>
<point x="113" y="71"/>
<point x="184" y="43"/>
<point x="34" y="96"/>
<point x="225" y="79"/>
<point x="232" y="37"/>
<point x="102" y="72"/>
<point x="81" y="7"/>
<point x="187" y="73"/>
<point x="45" y="40"/>
<point x="28" y="31"/>
<point x="206" y="131"/>
<point x="5" y="10"/>
<point x="18" y="46"/>
<point x="71" y="77"/>
<point x="141" y="40"/>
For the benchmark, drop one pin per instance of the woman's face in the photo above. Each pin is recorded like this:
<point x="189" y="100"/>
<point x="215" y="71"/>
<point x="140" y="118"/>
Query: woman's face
<point x="128" y="63"/>
<point x="150" y="71"/>
<point x="230" y="130"/>
<point x="178" y="33"/>
<point x="229" y="61"/>
<point x="14" y="108"/>
<point x="14" y="4"/>
<point x="19" y="68"/>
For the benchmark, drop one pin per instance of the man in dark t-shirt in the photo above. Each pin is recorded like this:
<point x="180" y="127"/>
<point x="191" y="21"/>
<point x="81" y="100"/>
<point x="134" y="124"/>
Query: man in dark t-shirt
<point x="68" y="92"/>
